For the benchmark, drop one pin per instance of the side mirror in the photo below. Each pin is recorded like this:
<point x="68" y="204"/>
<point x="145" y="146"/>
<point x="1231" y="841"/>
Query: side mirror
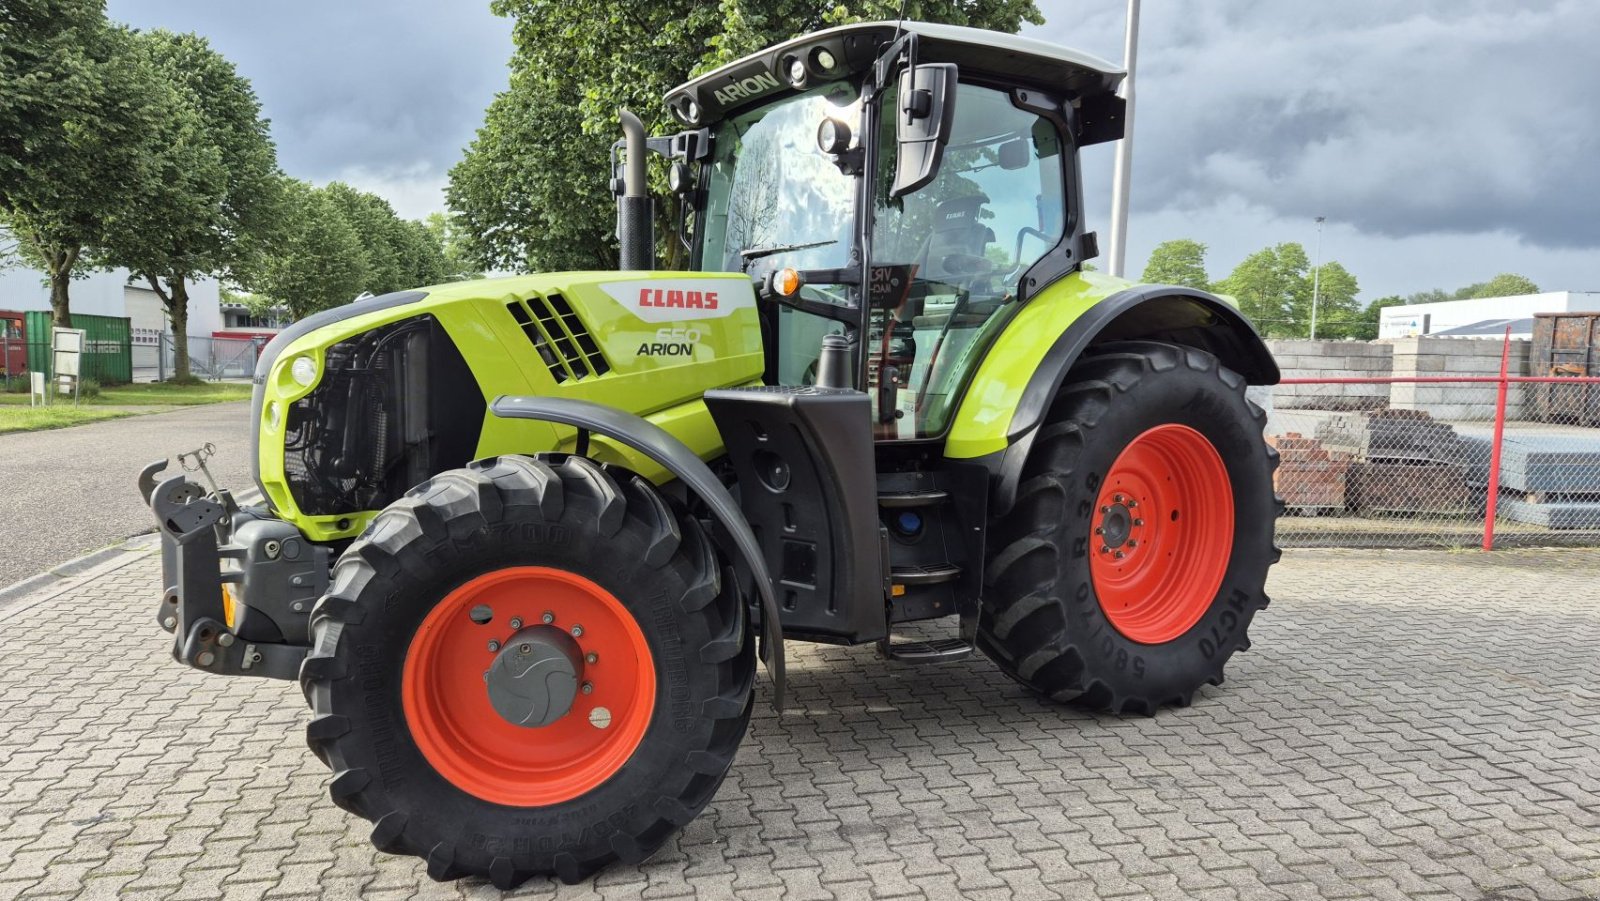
<point x="922" y="124"/>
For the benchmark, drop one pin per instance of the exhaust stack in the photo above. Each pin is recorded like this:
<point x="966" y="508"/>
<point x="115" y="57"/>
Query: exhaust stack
<point x="635" y="216"/>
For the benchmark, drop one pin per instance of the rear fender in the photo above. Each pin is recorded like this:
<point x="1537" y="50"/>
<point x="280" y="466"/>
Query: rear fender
<point x="662" y="448"/>
<point x="1019" y="377"/>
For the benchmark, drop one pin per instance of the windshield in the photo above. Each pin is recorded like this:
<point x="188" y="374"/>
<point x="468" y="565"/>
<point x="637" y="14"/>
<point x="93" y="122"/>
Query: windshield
<point x="771" y="190"/>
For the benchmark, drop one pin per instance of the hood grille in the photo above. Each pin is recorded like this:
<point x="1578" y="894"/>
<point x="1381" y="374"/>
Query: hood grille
<point x="559" y="337"/>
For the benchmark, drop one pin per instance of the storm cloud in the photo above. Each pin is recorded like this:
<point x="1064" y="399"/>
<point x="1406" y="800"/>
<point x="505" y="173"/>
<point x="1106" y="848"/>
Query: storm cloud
<point x="1445" y="140"/>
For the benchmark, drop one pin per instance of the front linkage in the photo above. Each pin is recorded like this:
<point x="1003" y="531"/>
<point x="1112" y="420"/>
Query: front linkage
<point x="250" y="618"/>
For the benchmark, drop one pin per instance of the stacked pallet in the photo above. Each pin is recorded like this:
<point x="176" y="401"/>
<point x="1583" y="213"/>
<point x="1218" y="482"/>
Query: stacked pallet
<point x="1310" y="479"/>
<point x="1406" y="462"/>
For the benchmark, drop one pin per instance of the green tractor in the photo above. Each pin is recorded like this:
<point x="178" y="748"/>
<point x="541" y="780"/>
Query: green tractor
<point x="524" y="540"/>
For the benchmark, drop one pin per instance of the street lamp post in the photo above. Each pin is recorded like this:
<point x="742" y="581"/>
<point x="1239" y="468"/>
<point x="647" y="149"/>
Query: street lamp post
<point x="1123" y="167"/>
<point x="1316" y="278"/>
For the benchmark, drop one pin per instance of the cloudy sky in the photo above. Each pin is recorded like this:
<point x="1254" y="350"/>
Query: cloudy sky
<point x="1444" y="140"/>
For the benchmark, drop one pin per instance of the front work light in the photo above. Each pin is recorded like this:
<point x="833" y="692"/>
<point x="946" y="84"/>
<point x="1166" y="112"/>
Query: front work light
<point x="304" y="371"/>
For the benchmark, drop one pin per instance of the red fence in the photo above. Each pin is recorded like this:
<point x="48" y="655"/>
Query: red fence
<point x="1451" y="461"/>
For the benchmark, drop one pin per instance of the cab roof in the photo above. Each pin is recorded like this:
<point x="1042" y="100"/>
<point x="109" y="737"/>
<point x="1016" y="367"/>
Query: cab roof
<point x="1068" y="73"/>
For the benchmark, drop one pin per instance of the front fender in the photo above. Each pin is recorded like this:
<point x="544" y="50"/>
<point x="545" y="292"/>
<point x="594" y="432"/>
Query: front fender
<point x="658" y="445"/>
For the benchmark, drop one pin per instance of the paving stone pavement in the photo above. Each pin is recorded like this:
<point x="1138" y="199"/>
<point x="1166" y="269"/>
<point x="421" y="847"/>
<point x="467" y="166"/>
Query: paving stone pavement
<point x="1407" y="725"/>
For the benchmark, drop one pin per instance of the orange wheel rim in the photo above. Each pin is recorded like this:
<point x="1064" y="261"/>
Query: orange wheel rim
<point x="446" y="696"/>
<point x="1163" y="534"/>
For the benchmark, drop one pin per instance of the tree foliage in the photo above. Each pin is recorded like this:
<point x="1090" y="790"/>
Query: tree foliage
<point x="1275" y="287"/>
<point x="314" y="259"/>
<point x="1506" y="284"/>
<point x="1270" y="285"/>
<point x="81" y="112"/>
<point x="531" y="192"/>
<point x="1178" y="262"/>
<point x="335" y="243"/>
<point x="209" y="185"/>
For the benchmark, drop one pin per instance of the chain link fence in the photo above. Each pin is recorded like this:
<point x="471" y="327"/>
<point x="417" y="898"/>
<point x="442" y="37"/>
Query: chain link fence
<point x="1437" y="462"/>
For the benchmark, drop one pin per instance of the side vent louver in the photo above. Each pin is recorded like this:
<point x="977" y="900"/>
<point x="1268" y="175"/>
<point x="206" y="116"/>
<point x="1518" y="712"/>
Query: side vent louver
<point x="559" y="336"/>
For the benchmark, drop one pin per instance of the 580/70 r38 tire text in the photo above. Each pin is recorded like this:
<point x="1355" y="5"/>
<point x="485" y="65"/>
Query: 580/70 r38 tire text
<point x="530" y="666"/>
<point x="1136" y="555"/>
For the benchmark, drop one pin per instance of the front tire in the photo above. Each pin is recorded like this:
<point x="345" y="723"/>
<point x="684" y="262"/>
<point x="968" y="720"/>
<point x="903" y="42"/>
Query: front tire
<point x="528" y="667"/>
<point x="1136" y="555"/>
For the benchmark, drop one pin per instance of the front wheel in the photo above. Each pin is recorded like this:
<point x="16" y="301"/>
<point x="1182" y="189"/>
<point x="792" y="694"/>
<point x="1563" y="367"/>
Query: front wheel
<point x="530" y="666"/>
<point x="1136" y="555"/>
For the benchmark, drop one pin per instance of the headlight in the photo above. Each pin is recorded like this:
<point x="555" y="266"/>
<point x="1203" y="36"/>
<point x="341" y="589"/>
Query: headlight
<point x="304" y="371"/>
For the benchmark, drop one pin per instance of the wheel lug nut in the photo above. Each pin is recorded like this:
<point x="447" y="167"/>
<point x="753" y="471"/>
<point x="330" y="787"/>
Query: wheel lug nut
<point x="577" y="631"/>
<point x="1133" y="542"/>
<point x="1105" y="548"/>
<point x="588" y="688"/>
<point x="1105" y="509"/>
<point x="494" y="645"/>
<point x="1132" y="503"/>
<point x="1099" y="530"/>
<point x="1120" y="555"/>
<point x="1138" y="522"/>
<point x="591" y="657"/>
<point x="1118" y="498"/>
<point x="516" y="623"/>
<point x="548" y="617"/>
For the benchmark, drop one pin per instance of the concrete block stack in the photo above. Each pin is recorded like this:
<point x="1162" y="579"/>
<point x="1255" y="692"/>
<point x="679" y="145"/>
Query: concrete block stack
<point x="1406" y="463"/>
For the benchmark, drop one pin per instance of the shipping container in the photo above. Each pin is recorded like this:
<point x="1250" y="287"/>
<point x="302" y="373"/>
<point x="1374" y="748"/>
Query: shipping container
<point x="1566" y="344"/>
<point x="13" y="350"/>
<point x="108" y="346"/>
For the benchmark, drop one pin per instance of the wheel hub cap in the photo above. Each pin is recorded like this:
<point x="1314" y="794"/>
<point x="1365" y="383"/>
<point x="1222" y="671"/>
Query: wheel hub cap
<point x="534" y="679"/>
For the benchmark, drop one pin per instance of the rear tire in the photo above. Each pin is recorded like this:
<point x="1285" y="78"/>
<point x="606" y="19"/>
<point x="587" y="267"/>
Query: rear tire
<point x="1136" y="615"/>
<point x="404" y="724"/>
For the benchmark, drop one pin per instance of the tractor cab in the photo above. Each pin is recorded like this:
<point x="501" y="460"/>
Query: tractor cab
<point x="904" y="186"/>
<point x="896" y="193"/>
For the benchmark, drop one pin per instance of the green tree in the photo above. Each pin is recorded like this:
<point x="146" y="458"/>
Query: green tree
<point x="1338" y="312"/>
<point x="531" y="192"/>
<point x="447" y="234"/>
<point x="313" y="259"/>
<point x="381" y="234"/>
<point x="80" y="115"/>
<point x="1506" y="284"/>
<point x="1273" y="289"/>
<point x="1178" y="262"/>
<point x="209" y="187"/>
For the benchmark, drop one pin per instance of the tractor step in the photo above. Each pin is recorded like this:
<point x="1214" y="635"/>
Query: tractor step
<point x="940" y="650"/>
<point x="926" y="497"/>
<point x="925" y="574"/>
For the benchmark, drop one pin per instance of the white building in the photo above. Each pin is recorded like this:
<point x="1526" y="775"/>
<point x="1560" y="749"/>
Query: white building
<point x="114" y="293"/>
<point x="1482" y="317"/>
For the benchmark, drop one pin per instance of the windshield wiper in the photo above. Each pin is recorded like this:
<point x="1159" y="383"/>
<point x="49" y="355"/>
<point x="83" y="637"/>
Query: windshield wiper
<point x="751" y="254"/>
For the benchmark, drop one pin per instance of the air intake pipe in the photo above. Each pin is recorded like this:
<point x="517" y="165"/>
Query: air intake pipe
<point x="635" y="218"/>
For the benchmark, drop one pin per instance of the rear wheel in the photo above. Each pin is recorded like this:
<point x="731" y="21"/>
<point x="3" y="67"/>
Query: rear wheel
<point x="1137" y="552"/>
<point x="529" y="666"/>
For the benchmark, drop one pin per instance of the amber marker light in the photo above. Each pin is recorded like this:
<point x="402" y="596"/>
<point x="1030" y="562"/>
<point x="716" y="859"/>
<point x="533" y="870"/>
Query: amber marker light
<point x="786" y="282"/>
